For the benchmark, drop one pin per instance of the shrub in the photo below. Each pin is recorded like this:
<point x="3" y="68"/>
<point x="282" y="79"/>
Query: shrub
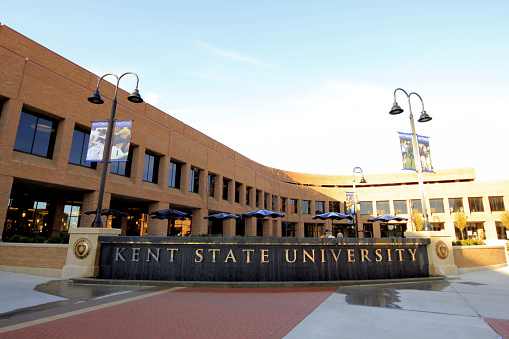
<point x="468" y="242"/>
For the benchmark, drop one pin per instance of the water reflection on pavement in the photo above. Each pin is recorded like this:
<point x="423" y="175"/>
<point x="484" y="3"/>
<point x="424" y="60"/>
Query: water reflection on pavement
<point x="386" y="295"/>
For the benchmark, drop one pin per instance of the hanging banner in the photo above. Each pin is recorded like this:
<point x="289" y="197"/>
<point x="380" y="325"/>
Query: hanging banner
<point x="350" y="206"/>
<point x="97" y="140"/>
<point x="121" y="140"/>
<point x="407" y="152"/>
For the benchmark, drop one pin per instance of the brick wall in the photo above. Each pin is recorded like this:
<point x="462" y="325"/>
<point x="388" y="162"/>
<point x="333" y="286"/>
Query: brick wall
<point x="478" y="256"/>
<point x="36" y="256"/>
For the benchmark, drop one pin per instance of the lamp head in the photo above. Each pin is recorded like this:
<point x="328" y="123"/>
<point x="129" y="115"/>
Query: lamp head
<point x="95" y="98"/>
<point x="135" y="97"/>
<point x="363" y="181"/>
<point x="396" y="109"/>
<point x="424" y="117"/>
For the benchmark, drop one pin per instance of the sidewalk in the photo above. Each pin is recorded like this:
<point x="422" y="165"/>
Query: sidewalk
<point x="474" y="306"/>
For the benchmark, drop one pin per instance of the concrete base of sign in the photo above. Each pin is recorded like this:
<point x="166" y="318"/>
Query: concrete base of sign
<point x="83" y="252"/>
<point x="440" y="257"/>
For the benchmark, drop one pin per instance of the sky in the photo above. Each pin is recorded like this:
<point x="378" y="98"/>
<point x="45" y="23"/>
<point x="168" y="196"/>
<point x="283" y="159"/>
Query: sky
<point x="303" y="86"/>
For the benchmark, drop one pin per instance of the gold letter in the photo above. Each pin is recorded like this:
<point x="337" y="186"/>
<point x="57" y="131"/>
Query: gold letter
<point x="198" y="254"/>
<point x="172" y="253"/>
<point x="306" y="254"/>
<point x="214" y="251"/>
<point x="248" y="256"/>
<point x="412" y="253"/>
<point x="389" y="255"/>
<point x="336" y="257"/>
<point x="400" y="255"/>
<point x="265" y="255"/>
<point x="364" y="254"/>
<point x="323" y="254"/>
<point x="294" y="256"/>
<point x="350" y="255"/>
<point x="152" y="254"/>
<point x="378" y="254"/>
<point x="230" y="256"/>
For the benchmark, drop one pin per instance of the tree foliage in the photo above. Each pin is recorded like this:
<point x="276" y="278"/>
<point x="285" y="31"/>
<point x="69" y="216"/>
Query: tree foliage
<point x="504" y="218"/>
<point x="417" y="219"/>
<point x="460" y="221"/>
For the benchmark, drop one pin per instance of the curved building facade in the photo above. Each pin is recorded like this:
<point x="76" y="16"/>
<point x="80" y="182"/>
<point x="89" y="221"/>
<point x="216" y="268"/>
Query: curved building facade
<point x="46" y="186"/>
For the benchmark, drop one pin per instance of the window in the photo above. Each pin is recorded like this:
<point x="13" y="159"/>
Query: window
<point x="319" y="207"/>
<point x="366" y="208"/>
<point x="79" y="148"/>
<point x="257" y="203"/>
<point x="72" y="212"/>
<point x="150" y="168"/>
<point x="274" y="202"/>
<point x="502" y="232"/>
<point x="334" y="206"/>
<point x="305" y="206"/>
<point x="238" y="185"/>
<point x="382" y="207"/>
<point x="400" y="207"/>
<point x="283" y="204"/>
<point x="293" y="205"/>
<point x="225" y="188"/>
<point x="211" y="184"/>
<point x="248" y="193"/>
<point x="455" y="205"/>
<point x="416" y="204"/>
<point x="36" y="135"/>
<point x="436" y="205"/>
<point x="475" y="205"/>
<point x="122" y="167"/>
<point x="497" y="204"/>
<point x="266" y="200"/>
<point x="175" y="174"/>
<point x="194" y="180"/>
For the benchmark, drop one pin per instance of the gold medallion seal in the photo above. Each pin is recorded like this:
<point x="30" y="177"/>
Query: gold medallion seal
<point x="441" y="250"/>
<point x="82" y="248"/>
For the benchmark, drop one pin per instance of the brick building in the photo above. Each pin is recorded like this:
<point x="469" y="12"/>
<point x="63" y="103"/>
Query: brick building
<point x="46" y="186"/>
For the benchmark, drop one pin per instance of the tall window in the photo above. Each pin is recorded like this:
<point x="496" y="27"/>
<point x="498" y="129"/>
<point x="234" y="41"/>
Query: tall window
<point x="238" y="185"/>
<point x="282" y="206"/>
<point x="436" y="205"/>
<point x="293" y="205"/>
<point x="305" y="206"/>
<point x="266" y="200"/>
<point x="150" y="168"/>
<point x="455" y="205"/>
<point x="36" y="135"/>
<point x="79" y="148"/>
<point x="225" y="188"/>
<point x="275" y="200"/>
<point x="400" y="207"/>
<point x="248" y="193"/>
<point x="123" y="167"/>
<point x="497" y="204"/>
<point x="382" y="207"/>
<point x="319" y="207"/>
<point x="258" y="192"/>
<point x="334" y="206"/>
<point x="194" y="180"/>
<point x="175" y="174"/>
<point x="72" y="211"/>
<point x="366" y="207"/>
<point x="416" y="204"/>
<point x="211" y="184"/>
<point x="475" y="205"/>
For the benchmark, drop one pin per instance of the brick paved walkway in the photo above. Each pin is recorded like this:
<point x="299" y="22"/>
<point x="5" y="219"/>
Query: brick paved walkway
<point x="181" y="313"/>
<point x="501" y="326"/>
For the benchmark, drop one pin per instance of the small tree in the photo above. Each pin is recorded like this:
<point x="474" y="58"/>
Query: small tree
<point x="504" y="218"/>
<point x="460" y="221"/>
<point x="417" y="219"/>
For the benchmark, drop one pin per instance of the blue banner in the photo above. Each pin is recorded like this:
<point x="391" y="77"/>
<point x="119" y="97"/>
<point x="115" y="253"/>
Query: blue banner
<point x="121" y="140"/>
<point x="407" y="152"/>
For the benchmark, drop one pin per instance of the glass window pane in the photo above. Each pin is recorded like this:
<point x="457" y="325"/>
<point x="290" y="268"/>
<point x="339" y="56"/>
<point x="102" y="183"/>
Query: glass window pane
<point x="26" y="133"/>
<point x="382" y="207"/>
<point x="366" y="208"/>
<point x="497" y="204"/>
<point x="43" y="135"/>
<point x="436" y="205"/>
<point x="76" y="147"/>
<point x="400" y="207"/>
<point x="416" y="204"/>
<point x="146" y="168"/>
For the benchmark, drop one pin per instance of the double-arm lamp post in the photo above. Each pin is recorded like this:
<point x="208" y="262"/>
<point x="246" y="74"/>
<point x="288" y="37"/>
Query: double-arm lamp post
<point x="396" y="109"/>
<point x="95" y="98"/>
<point x="362" y="181"/>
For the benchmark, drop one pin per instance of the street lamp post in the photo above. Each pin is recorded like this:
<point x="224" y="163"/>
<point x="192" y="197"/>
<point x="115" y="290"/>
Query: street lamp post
<point x="95" y="98"/>
<point x="396" y="109"/>
<point x="362" y="181"/>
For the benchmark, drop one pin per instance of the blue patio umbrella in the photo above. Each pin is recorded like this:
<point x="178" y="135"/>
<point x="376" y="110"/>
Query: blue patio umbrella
<point x="170" y="214"/>
<point x="332" y="216"/>
<point x="387" y="218"/>
<point x="221" y="216"/>
<point x="108" y="212"/>
<point x="262" y="214"/>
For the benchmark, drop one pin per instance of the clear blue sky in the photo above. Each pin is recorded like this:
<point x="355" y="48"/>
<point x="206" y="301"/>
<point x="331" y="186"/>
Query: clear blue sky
<point x="287" y="82"/>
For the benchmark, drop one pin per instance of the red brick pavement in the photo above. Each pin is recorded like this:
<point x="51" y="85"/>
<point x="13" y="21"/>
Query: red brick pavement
<point x="190" y="313"/>
<point x="501" y="326"/>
